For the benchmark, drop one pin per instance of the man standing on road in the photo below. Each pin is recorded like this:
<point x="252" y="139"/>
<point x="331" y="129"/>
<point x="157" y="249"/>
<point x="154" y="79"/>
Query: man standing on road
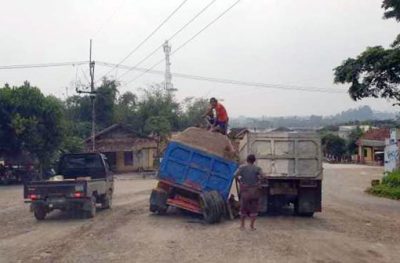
<point x="249" y="176"/>
<point x="221" y="120"/>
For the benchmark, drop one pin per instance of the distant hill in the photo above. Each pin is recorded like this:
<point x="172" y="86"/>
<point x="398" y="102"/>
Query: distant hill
<point x="361" y="114"/>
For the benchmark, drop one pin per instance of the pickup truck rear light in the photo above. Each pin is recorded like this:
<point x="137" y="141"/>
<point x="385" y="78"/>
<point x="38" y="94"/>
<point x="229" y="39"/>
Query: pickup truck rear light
<point x="78" y="195"/>
<point x="33" y="196"/>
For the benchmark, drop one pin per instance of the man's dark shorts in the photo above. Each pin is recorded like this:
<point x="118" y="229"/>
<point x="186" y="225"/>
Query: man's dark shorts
<point x="222" y="125"/>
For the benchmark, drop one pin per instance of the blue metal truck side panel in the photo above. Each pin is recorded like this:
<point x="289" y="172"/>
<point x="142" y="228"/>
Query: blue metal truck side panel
<point x="196" y="169"/>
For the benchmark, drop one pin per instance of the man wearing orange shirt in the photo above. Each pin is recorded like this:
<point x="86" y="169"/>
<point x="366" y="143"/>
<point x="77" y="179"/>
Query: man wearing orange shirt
<point x="221" y="119"/>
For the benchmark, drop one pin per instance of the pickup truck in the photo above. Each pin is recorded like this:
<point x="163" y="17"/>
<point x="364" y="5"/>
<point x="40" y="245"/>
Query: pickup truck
<point x="83" y="181"/>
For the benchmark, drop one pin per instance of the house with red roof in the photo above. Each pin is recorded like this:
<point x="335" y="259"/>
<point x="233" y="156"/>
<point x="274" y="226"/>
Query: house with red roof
<point x="371" y="146"/>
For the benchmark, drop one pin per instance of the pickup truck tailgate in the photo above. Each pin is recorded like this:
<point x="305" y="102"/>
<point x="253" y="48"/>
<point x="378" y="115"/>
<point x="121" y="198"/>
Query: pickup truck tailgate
<point x="53" y="188"/>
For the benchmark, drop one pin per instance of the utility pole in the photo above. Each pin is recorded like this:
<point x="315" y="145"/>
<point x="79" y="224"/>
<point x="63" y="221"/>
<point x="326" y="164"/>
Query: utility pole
<point x="92" y="94"/>
<point x="168" y="76"/>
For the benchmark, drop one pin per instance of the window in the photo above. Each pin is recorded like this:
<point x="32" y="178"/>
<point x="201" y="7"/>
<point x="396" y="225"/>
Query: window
<point x="365" y="152"/>
<point x="128" y="158"/>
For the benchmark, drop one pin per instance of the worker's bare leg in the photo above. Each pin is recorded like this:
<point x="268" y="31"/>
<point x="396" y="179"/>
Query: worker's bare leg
<point x="242" y="219"/>
<point x="252" y="221"/>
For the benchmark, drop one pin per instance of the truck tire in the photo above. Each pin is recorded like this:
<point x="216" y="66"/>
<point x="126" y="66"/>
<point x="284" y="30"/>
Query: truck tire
<point x="92" y="208"/>
<point x="211" y="207"/>
<point x="4" y="180"/>
<point x="106" y="201"/>
<point x="158" y="201"/>
<point x="308" y="214"/>
<point x="302" y="214"/>
<point x="220" y="204"/>
<point x="40" y="213"/>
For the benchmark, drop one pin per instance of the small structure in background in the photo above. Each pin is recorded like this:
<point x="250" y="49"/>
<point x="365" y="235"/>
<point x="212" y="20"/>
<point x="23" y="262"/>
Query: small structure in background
<point x="236" y="135"/>
<point x="371" y="146"/>
<point x="125" y="150"/>
<point x="392" y="151"/>
<point x="345" y="130"/>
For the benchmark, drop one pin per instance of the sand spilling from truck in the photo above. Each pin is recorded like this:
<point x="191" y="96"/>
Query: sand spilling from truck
<point x="210" y="142"/>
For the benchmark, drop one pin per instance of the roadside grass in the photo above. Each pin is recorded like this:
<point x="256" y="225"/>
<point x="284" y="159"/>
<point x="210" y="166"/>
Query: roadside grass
<point x="389" y="187"/>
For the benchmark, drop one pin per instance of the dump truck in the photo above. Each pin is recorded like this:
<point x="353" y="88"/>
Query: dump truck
<point x="83" y="181"/>
<point x="292" y="164"/>
<point x="196" y="174"/>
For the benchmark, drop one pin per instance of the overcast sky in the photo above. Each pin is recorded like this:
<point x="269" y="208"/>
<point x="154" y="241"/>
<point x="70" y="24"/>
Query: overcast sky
<point x="285" y="42"/>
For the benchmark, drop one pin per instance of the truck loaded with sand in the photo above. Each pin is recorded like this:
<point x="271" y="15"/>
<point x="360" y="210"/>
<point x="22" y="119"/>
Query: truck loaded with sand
<point x="196" y="174"/>
<point x="198" y="168"/>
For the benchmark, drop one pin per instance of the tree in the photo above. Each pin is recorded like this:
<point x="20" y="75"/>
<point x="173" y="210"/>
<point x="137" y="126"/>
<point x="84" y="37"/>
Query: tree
<point x="31" y="122"/>
<point x="125" y="110"/>
<point x="376" y="71"/>
<point x="157" y="102"/>
<point x="333" y="146"/>
<point x="194" y="108"/>
<point x="353" y="138"/>
<point x="106" y="96"/>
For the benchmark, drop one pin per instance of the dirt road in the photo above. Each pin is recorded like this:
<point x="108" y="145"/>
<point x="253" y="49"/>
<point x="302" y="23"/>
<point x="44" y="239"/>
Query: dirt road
<point x="353" y="227"/>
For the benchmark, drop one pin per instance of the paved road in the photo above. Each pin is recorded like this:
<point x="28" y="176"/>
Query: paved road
<point x="354" y="227"/>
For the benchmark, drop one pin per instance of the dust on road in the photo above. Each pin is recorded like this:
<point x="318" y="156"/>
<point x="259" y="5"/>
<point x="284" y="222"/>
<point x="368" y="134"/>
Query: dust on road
<point x="353" y="227"/>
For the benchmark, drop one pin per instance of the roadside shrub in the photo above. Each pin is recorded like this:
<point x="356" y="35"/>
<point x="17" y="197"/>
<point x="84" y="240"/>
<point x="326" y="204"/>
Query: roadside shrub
<point x="392" y="179"/>
<point x="390" y="186"/>
<point x="385" y="191"/>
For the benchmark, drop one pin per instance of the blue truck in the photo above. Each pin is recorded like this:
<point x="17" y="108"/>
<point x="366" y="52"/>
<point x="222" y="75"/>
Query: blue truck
<point x="194" y="179"/>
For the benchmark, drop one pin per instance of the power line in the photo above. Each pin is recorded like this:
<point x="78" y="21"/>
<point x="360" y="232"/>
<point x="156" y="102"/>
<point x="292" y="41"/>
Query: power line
<point x="171" y="37"/>
<point x="43" y="65"/>
<point x="229" y="81"/>
<point x="150" y="35"/>
<point x="190" y="39"/>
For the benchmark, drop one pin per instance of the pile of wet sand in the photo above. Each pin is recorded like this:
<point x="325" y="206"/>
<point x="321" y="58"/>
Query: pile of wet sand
<point x="211" y="142"/>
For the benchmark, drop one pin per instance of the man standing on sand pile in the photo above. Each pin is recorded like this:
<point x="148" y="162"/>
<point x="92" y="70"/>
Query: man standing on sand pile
<point x="221" y="120"/>
<point x="249" y="176"/>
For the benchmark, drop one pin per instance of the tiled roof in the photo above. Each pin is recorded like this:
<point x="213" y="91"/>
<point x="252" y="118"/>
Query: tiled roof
<point x="375" y="135"/>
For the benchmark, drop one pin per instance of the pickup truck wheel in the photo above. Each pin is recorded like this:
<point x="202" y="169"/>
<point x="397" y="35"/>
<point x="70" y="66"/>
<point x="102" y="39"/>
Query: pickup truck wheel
<point x="107" y="201"/>
<point x="92" y="212"/>
<point x="39" y="212"/>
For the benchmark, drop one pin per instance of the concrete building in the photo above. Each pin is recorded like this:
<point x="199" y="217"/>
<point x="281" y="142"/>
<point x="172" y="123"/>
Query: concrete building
<point x="125" y="150"/>
<point x="371" y="146"/>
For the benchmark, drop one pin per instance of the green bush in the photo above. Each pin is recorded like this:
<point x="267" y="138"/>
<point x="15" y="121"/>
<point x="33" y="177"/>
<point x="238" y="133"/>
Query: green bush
<point x="392" y="179"/>
<point x="390" y="186"/>
<point x="385" y="191"/>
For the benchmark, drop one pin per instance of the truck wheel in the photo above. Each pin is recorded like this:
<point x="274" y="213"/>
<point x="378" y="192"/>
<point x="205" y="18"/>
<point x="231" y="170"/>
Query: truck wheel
<point x="158" y="201"/>
<point x="4" y="181"/>
<point x="210" y="207"/>
<point x="220" y="205"/>
<point x="302" y="214"/>
<point x="39" y="212"/>
<point x="106" y="201"/>
<point x="308" y="214"/>
<point x="92" y="204"/>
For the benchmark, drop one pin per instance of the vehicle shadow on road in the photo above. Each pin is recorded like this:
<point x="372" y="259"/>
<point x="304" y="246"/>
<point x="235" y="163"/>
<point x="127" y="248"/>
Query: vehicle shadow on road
<point x="68" y="216"/>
